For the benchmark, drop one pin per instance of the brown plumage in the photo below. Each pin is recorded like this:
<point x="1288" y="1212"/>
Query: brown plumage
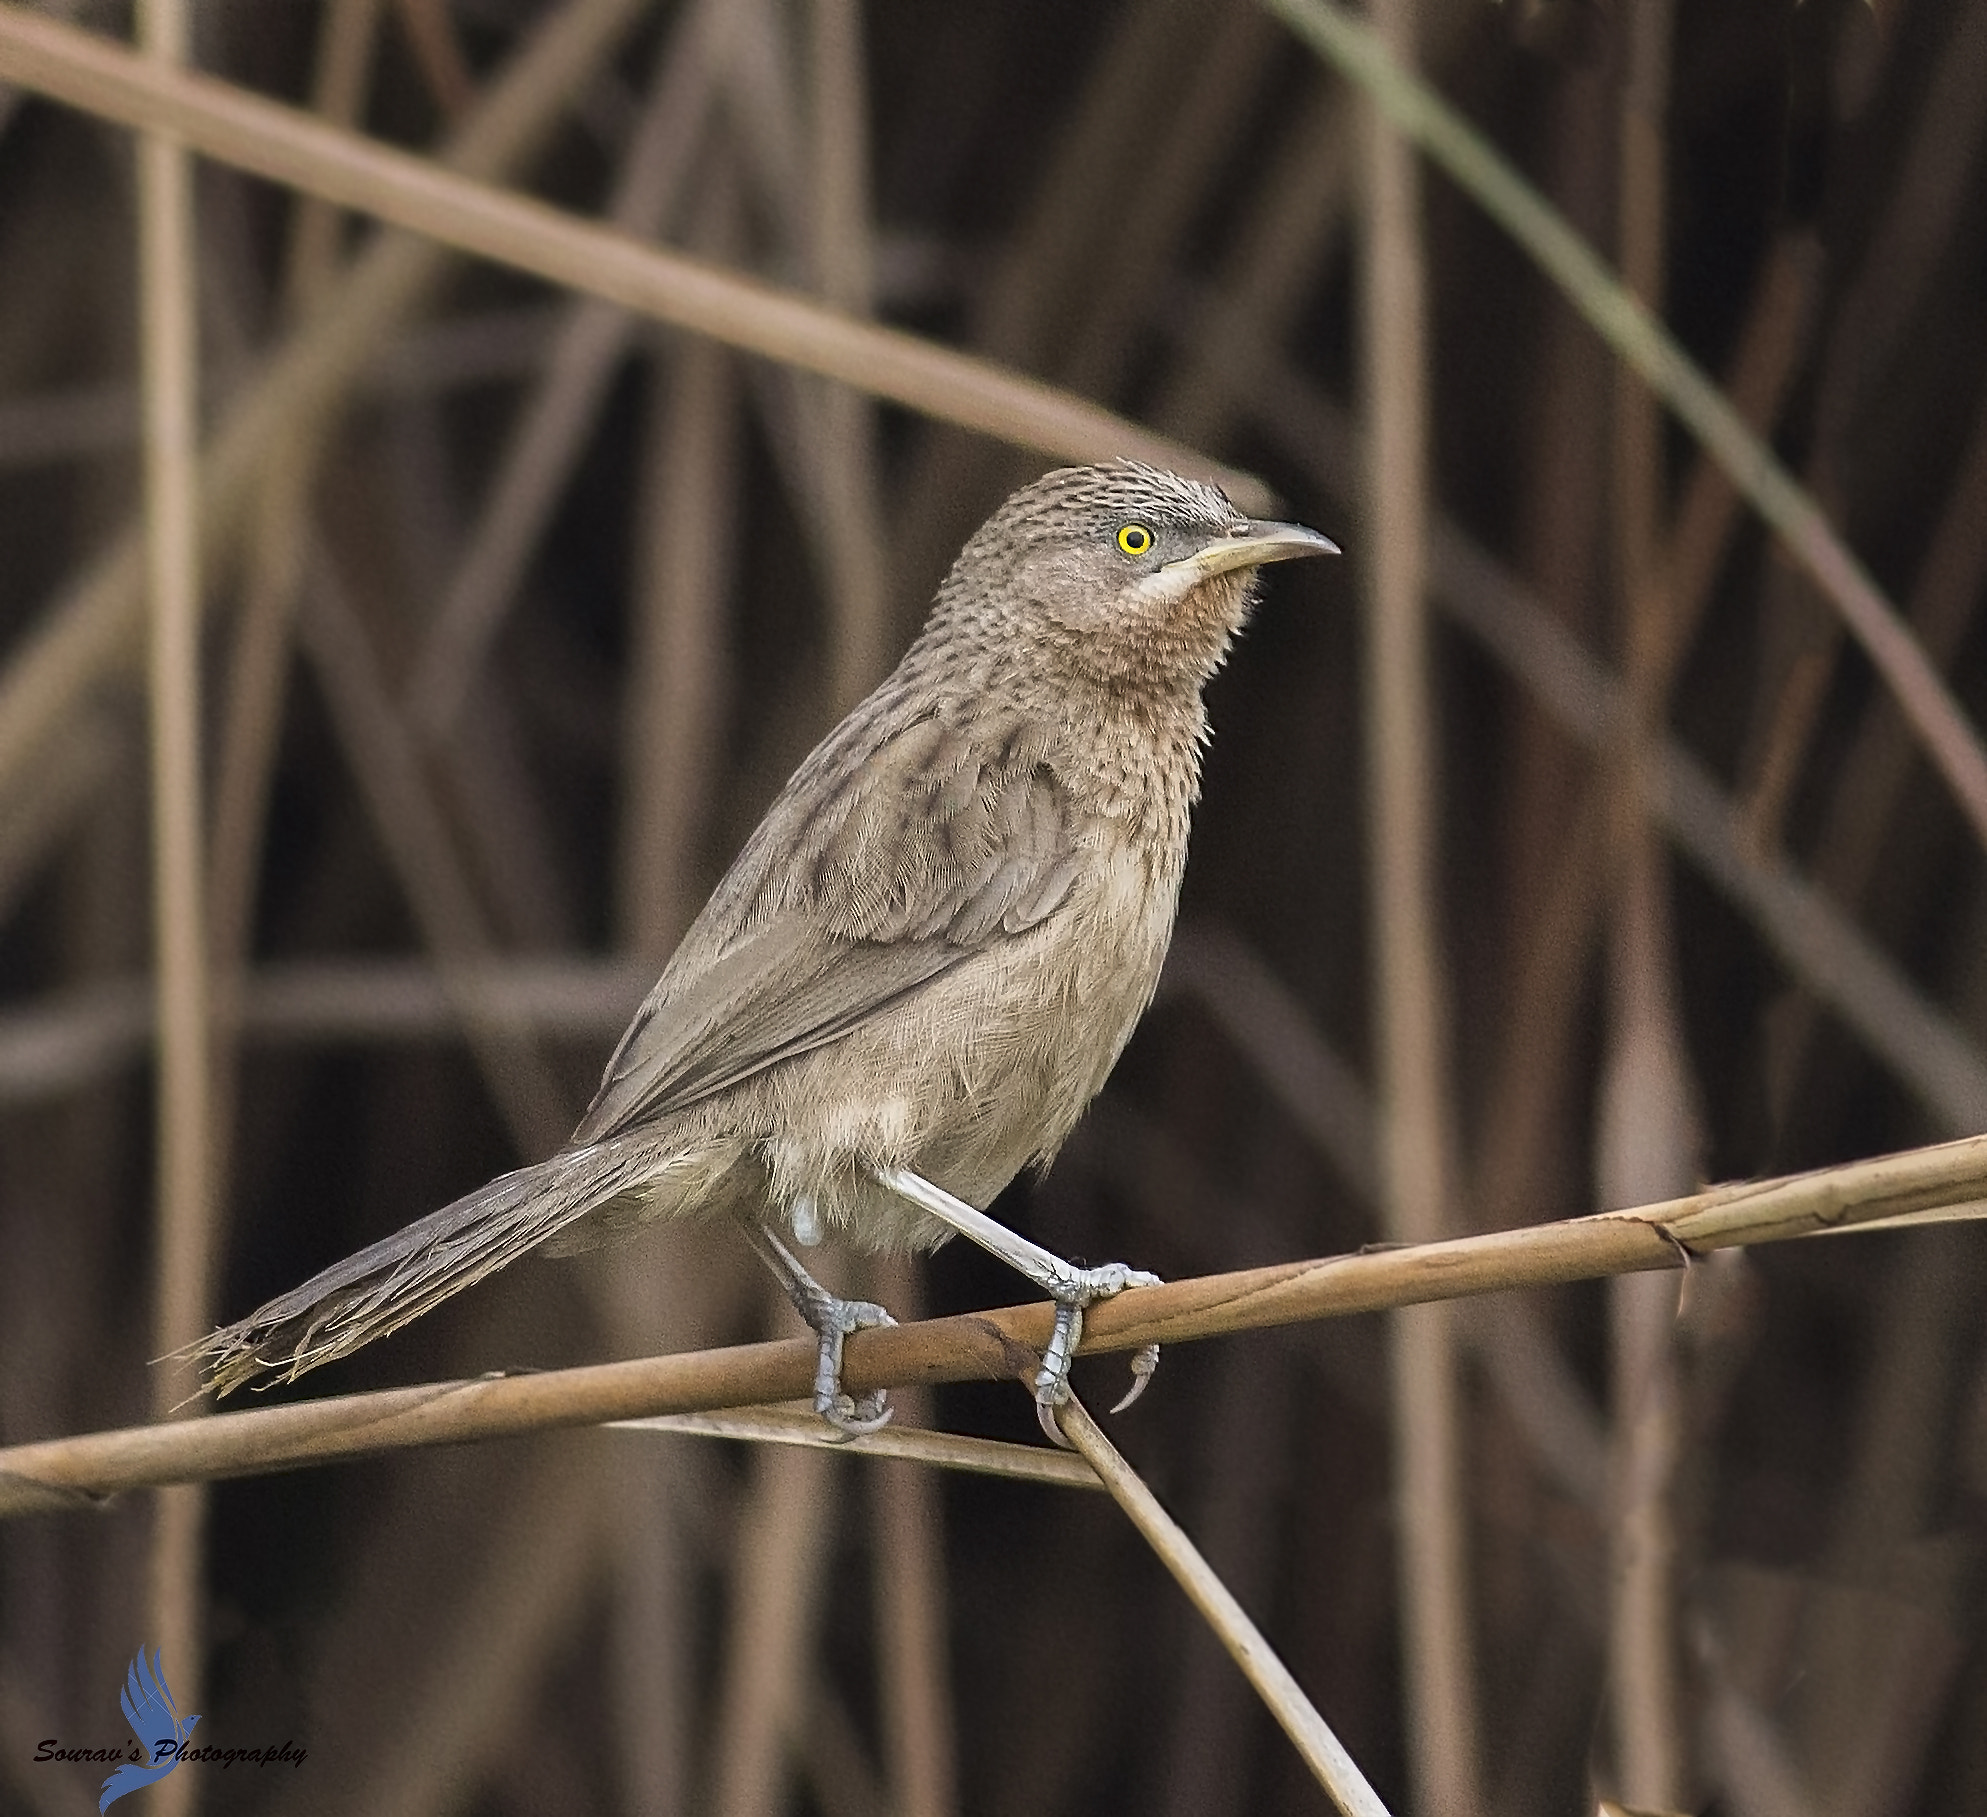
<point x="932" y="949"/>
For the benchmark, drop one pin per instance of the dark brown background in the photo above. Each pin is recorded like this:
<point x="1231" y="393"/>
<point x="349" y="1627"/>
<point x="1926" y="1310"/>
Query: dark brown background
<point x="1156" y="204"/>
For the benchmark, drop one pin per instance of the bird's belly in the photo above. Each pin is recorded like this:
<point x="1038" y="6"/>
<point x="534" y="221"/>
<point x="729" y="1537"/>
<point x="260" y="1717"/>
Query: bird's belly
<point x="991" y="1073"/>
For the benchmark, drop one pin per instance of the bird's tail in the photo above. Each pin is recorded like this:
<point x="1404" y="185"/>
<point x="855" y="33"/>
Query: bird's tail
<point x="404" y="1275"/>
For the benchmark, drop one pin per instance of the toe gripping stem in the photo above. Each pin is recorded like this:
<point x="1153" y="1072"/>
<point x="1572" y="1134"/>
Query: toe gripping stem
<point x="832" y="1319"/>
<point x="850" y="1417"/>
<point x="1074" y="1290"/>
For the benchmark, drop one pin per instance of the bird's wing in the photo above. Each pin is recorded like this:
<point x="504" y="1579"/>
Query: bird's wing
<point x="933" y="849"/>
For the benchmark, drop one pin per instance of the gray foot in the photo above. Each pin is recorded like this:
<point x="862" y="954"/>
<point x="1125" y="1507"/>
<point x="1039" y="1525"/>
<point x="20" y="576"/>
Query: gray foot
<point x="831" y="1318"/>
<point x="1074" y="1289"/>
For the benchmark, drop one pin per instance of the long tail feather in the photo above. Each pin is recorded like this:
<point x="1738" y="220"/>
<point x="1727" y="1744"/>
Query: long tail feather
<point x="402" y="1276"/>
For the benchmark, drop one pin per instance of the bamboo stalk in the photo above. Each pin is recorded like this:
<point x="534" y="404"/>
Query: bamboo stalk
<point x="1947" y="1181"/>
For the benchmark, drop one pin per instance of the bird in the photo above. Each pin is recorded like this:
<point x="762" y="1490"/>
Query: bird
<point x="921" y="966"/>
<point x="154" y="1717"/>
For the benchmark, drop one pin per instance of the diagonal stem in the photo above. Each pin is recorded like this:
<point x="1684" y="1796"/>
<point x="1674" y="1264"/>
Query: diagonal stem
<point x="1323" y="1752"/>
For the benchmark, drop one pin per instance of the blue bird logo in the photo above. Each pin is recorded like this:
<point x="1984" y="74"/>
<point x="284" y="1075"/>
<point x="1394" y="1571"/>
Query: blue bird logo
<point x="154" y="1719"/>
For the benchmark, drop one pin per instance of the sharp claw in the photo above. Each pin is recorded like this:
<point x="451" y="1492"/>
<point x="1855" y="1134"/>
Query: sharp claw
<point x="1045" y="1414"/>
<point x="857" y="1419"/>
<point x="1144" y="1362"/>
<point x="1052" y="1380"/>
<point x="838" y="1319"/>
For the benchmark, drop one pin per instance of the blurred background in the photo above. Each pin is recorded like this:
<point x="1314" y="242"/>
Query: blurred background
<point x="517" y="611"/>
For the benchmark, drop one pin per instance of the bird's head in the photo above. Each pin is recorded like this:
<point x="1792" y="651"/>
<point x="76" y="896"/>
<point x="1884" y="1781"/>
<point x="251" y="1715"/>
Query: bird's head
<point x="1133" y="576"/>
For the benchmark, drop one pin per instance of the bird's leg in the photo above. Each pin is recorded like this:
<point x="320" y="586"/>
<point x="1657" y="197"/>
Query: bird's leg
<point x="831" y="1318"/>
<point x="1071" y="1287"/>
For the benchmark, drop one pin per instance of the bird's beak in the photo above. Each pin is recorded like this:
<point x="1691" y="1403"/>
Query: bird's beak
<point x="1250" y="545"/>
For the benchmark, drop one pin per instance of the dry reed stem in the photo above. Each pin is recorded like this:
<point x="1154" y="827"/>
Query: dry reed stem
<point x="1322" y="1751"/>
<point x="74" y="423"/>
<point x="552" y="422"/>
<point x="1647" y="1139"/>
<point x="454" y="1715"/>
<point x="672" y="716"/>
<point x="1910" y="237"/>
<point x="1916" y="1185"/>
<point x="417" y="839"/>
<point x="1017" y="312"/>
<point x="83" y="1035"/>
<point x="289" y="147"/>
<point x="1552" y="967"/>
<point x="90" y="636"/>
<point x="908" y="1444"/>
<point x="1861" y="813"/>
<point x="263" y="645"/>
<point x="1912" y="1036"/>
<point x="847" y="476"/>
<point x="1248" y="1481"/>
<point x="1949" y="739"/>
<point x="340" y="68"/>
<point x="1856" y="1703"/>
<point x="1416" y="1125"/>
<point x="778" y="1576"/>
<point x="260" y="659"/>
<point x="438" y="55"/>
<point x="1295" y="211"/>
<point x="183" y="1259"/>
<point x="908" y="1563"/>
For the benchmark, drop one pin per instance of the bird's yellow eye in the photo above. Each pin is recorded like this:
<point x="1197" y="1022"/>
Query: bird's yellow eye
<point x="1135" y="539"/>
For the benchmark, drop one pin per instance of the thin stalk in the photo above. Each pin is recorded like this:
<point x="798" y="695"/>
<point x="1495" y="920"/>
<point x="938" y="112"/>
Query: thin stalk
<point x="778" y="1576"/>
<point x="91" y="636"/>
<point x="1416" y="1128"/>
<point x="847" y="483"/>
<point x="907" y="1527"/>
<point x="169" y="382"/>
<point x="1647" y="1141"/>
<point x="288" y="146"/>
<point x="553" y="420"/>
<point x="1323" y="1753"/>
<point x="1638" y="337"/>
<point x="1944" y="1183"/>
<point x="896" y="1443"/>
